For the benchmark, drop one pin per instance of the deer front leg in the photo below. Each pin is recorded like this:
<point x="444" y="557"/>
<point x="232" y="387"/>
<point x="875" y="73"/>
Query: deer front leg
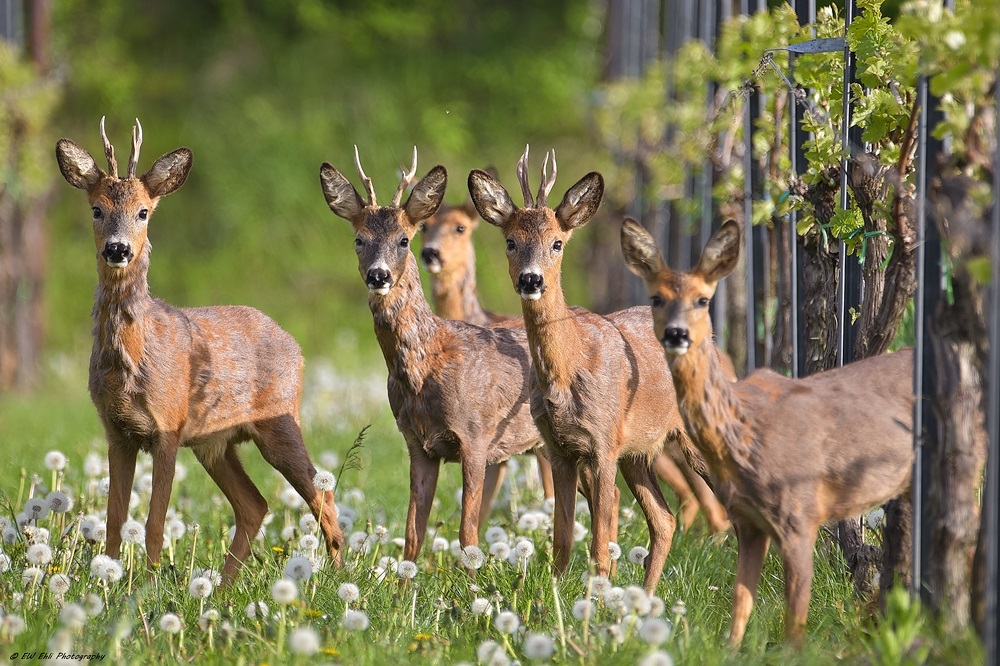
<point x="121" y="472"/>
<point x="715" y="513"/>
<point x="164" y="465"/>
<point x="491" y="489"/>
<point x="544" y="473"/>
<point x="642" y="482"/>
<point x="564" y="480"/>
<point x="797" y="560"/>
<point x="668" y="469"/>
<point x="752" y="548"/>
<point x="602" y="518"/>
<point x="423" y="482"/>
<point x="473" y="473"/>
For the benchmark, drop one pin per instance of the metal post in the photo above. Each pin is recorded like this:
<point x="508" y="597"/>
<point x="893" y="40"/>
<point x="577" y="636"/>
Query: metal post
<point x="751" y="182"/>
<point x="12" y="21"/>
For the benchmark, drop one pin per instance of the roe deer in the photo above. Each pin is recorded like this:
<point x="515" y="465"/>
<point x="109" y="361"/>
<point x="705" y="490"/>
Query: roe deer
<point x="599" y="385"/>
<point x="459" y="392"/>
<point x="450" y="257"/>
<point x="784" y="455"/>
<point x="162" y="377"/>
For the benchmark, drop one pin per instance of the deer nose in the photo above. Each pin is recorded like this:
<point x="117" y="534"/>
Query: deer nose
<point x="117" y="253"/>
<point x="378" y="279"/>
<point x="431" y="258"/>
<point x="530" y="285"/>
<point x="676" y="338"/>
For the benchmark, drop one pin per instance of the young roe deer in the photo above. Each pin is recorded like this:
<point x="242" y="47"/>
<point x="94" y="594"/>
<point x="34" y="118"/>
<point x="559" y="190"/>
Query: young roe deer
<point x="600" y="393"/>
<point x="784" y="455"/>
<point x="162" y="377"/>
<point x="459" y="392"/>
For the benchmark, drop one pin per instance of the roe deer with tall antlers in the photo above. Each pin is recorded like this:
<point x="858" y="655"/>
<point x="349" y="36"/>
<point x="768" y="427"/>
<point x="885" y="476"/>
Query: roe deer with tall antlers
<point x="784" y="455"/>
<point x="459" y="392"/>
<point x="162" y="377"/>
<point x="600" y="393"/>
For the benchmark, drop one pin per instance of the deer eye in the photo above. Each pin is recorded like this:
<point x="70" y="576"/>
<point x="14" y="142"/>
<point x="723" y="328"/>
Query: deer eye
<point x="143" y="213"/>
<point x="423" y="227"/>
<point x="404" y="242"/>
<point x="656" y="301"/>
<point x="460" y="229"/>
<point x="703" y="302"/>
<point x="557" y="246"/>
<point x="358" y="243"/>
<point x="510" y="245"/>
<point x="97" y="212"/>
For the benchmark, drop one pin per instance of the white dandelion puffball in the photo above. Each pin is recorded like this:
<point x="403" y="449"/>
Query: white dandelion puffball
<point x="308" y="542"/>
<point x="304" y="640"/>
<point x="657" y="658"/>
<point x="439" y="545"/>
<point x="308" y="523"/>
<point x="99" y="566"/>
<point x="507" y="622"/>
<point x="406" y="569"/>
<point x="528" y="522"/>
<point x="94" y="604"/>
<point x="614" y="597"/>
<point x="614" y="551"/>
<point x="170" y="623"/>
<point x="582" y="508"/>
<point x="93" y="466"/>
<point x="579" y="531"/>
<point x="524" y="549"/>
<point x="329" y="459"/>
<point x="59" y="502"/>
<point x="500" y="550"/>
<point x="35" y="534"/>
<point x="4" y="562"/>
<point x="133" y="532"/>
<point x="679" y="608"/>
<point x="32" y="576"/>
<point x="55" y="460"/>
<point x="208" y="619"/>
<point x="200" y="587"/>
<point x="36" y="508"/>
<point x="73" y="616"/>
<point x="176" y="529"/>
<point x="637" y="600"/>
<point x="481" y="606"/>
<point x="348" y="592"/>
<point x="399" y="542"/>
<point x="381" y="534"/>
<point x="12" y="625"/>
<point x="38" y="554"/>
<point x="288" y="532"/>
<point x="291" y="498"/>
<point x="538" y="646"/>
<point x="359" y="542"/>
<point x="599" y="585"/>
<point x="298" y="568"/>
<point x="258" y="610"/>
<point x="655" y="630"/>
<point x="638" y="555"/>
<point x="59" y="584"/>
<point x="284" y="591"/>
<point x="355" y="620"/>
<point x="104" y="485"/>
<point x="114" y="571"/>
<point x="473" y="557"/>
<point x="456" y="549"/>
<point x="656" y="606"/>
<point x="495" y="534"/>
<point x="491" y="653"/>
<point x="584" y="609"/>
<point x="324" y="481"/>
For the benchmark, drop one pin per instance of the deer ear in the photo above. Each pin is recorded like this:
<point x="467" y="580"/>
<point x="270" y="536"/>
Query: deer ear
<point x="340" y="195"/>
<point x="581" y="201"/>
<point x="490" y="198"/>
<point x="77" y="166"/>
<point x="721" y="253"/>
<point x="641" y="253"/>
<point x="168" y="173"/>
<point x="427" y="195"/>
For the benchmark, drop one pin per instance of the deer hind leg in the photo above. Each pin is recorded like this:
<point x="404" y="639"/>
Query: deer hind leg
<point x="423" y="482"/>
<point x="249" y="506"/>
<point x="544" y="474"/>
<point x="491" y="489"/>
<point x="715" y="513"/>
<point x="797" y="560"/>
<point x="564" y="480"/>
<point x="752" y="548"/>
<point x="121" y="471"/>
<point x="603" y="507"/>
<point x="164" y="465"/>
<point x="473" y="497"/>
<point x="280" y="442"/>
<point x="668" y="469"/>
<point x="642" y="482"/>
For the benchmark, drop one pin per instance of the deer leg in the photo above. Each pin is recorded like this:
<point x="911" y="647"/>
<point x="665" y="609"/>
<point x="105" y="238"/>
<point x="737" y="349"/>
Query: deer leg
<point x="473" y="497"/>
<point x="642" y="482"/>
<point x="715" y="513"/>
<point x="164" y="464"/>
<point x="249" y="506"/>
<point x="603" y="507"/>
<point x="423" y="481"/>
<point x="669" y="470"/>
<point x="544" y="473"/>
<point x="121" y="471"/>
<point x="797" y="560"/>
<point x="564" y="480"/>
<point x="752" y="547"/>
<point x="491" y="489"/>
<point x="280" y="442"/>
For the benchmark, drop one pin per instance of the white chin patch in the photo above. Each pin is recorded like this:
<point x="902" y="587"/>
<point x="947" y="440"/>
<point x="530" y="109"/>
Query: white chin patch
<point x="117" y="264"/>
<point x="434" y="268"/>
<point x="531" y="296"/>
<point x="675" y="351"/>
<point x="381" y="291"/>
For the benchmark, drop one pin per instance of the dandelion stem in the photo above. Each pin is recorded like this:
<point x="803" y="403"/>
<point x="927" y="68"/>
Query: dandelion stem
<point x="559" y="618"/>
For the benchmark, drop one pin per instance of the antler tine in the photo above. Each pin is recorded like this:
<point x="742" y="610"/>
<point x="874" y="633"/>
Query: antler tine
<point x="365" y="179"/>
<point x="405" y="179"/>
<point x="522" y="177"/>
<point x="545" y="187"/>
<point x="109" y="152"/>
<point x="133" y="158"/>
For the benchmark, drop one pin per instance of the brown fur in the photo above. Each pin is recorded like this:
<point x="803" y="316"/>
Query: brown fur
<point x="163" y="377"/>
<point x="784" y="455"/>
<point x="458" y="391"/>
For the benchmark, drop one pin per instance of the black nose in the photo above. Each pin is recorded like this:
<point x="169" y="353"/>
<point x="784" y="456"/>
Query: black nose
<point x="676" y="337"/>
<point x="377" y="278"/>
<point x="530" y="283"/>
<point x="116" y="253"/>
<point x="430" y="255"/>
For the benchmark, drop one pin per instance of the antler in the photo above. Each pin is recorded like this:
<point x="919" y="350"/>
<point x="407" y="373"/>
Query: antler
<point x="405" y="179"/>
<point x="522" y="177"/>
<point x="109" y="152"/>
<point x="365" y="179"/>
<point x="545" y="187"/>
<point x="133" y="158"/>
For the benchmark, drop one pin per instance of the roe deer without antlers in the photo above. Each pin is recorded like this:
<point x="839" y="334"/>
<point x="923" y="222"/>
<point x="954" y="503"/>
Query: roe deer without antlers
<point x="449" y="256"/>
<point x="459" y="392"/>
<point x="784" y="455"/>
<point x="600" y="394"/>
<point x="162" y="377"/>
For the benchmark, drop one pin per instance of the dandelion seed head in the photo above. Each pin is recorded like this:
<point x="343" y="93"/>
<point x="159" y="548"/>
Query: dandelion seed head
<point x="133" y="532"/>
<point x="38" y="554"/>
<point x="9" y="534"/>
<point x="579" y="531"/>
<point x="406" y="569"/>
<point x="538" y="646"/>
<point x="208" y="619"/>
<point x="32" y="576"/>
<point x="291" y="498"/>
<point x="500" y="550"/>
<point x="12" y="625"/>
<point x="679" y="608"/>
<point x="145" y="483"/>
<point x="614" y="551"/>
<point x="359" y="542"/>
<point x="308" y="542"/>
<point x="656" y="606"/>
<point x="473" y="557"/>
<point x="439" y="545"/>
<point x="584" y="609"/>
<point x="257" y="610"/>
<point x="355" y="620"/>
<point x="637" y="600"/>
<point x="200" y="587"/>
<point x="55" y="460"/>
<point x="304" y="640"/>
<point x="329" y="459"/>
<point x="524" y="549"/>
<point x="348" y="592"/>
<point x="599" y="585"/>
<point x="495" y="534"/>
<point x="481" y="606"/>
<point x="626" y="514"/>
<point x="491" y="653"/>
<point x="284" y="591"/>
<point x="93" y="465"/>
<point x="35" y="534"/>
<point x="104" y="486"/>
<point x="73" y="616"/>
<point x="59" y="584"/>
<point x="528" y="522"/>
<point x="4" y="562"/>
<point x="170" y="623"/>
<point x="59" y="502"/>
<point x="638" y="555"/>
<point x="381" y="534"/>
<point x="36" y="508"/>
<point x="657" y="658"/>
<point x="308" y="523"/>
<point x="298" y="568"/>
<point x="176" y="529"/>
<point x="507" y="622"/>
<point x="94" y="604"/>
<point x="875" y="518"/>
<point x="324" y="481"/>
<point x="614" y="597"/>
<point x="655" y="630"/>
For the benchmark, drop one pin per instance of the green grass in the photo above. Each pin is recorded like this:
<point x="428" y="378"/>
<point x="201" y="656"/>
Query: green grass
<point x="424" y="620"/>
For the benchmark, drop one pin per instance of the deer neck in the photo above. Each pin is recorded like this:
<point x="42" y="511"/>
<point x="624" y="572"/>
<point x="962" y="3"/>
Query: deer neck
<point x="406" y="328"/>
<point x="120" y="305"/>
<point x="712" y="411"/>
<point x="455" y="294"/>
<point x="553" y="338"/>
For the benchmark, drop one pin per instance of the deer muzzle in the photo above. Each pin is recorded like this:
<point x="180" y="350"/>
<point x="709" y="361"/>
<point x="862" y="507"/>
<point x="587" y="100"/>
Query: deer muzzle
<point x="530" y="286"/>
<point x="432" y="259"/>
<point x="117" y="254"/>
<point x="675" y="340"/>
<point x="378" y="280"/>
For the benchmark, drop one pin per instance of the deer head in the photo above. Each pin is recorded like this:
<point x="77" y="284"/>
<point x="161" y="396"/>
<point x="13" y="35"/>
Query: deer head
<point x="121" y="206"/>
<point x="382" y="234"/>
<point x="535" y="234"/>
<point x="447" y="236"/>
<point x="680" y="300"/>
